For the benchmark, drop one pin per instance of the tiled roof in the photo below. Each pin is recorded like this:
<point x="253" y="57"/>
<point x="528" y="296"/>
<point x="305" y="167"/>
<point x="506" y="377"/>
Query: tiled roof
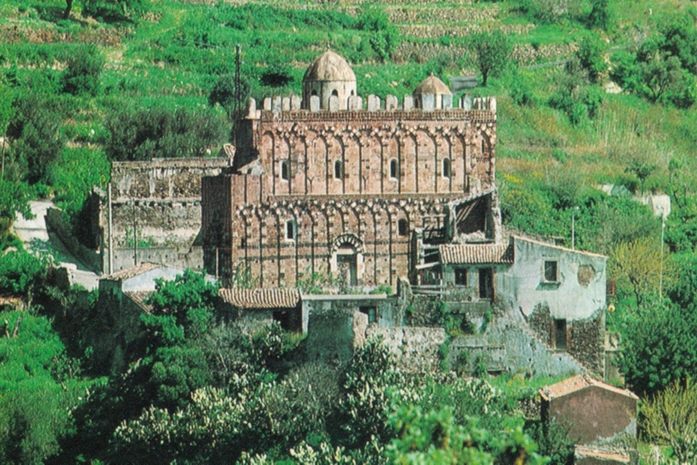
<point x="261" y="298"/>
<point x="475" y="253"/>
<point x="614" y="456"/>
<point x="576" y="383"/>
<point x="139" y="297"/>
<point x="131" y="272"/>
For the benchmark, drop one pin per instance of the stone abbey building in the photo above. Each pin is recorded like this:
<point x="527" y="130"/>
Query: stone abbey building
<point x="364" y="190"/>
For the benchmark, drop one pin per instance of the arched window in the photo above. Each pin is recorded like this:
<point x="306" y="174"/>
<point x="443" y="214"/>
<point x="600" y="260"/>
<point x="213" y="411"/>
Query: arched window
<point x="394" y="168"/>
<point x="290" y="230"/>
<point x="403" y="227"/>
<point x="313" y="93"/>
<point x="446" y="168"/>
<point x="338" y="169"/>
<point x="335" y="93"/>
<point x="285" y="170"/>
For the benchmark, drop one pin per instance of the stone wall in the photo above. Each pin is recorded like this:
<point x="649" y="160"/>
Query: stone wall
<point x="161" y="201"/>
<point x="414" y="349"/>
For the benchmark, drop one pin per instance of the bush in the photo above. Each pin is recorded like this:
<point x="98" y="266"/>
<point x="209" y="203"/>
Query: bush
<point x="84" y="67"/>
<point x="591" y="54"/>
<point x="671" y="419"/>
<point x="21" y="272"/>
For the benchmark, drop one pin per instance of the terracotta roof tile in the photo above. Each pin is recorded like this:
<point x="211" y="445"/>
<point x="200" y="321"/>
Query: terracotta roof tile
<point x="617" y="457"/>
<point x="261" y="298"/>
<point x="139" y="298"/>
<point x="131" y="272"/>
<point x="578" y="382"/>
<point x="475" y="253"/>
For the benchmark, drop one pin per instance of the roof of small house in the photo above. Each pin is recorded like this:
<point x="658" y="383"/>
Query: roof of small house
<point x="132" y="272"/>
<point x="139" y="298"/>
<point x="261" y="298"/>
<point x="329" y="66"/>
<point x="577" y="383"/>
<point x="604" y="455"/>
<point x="432" y="85"/>
<point x="475" y="254"/>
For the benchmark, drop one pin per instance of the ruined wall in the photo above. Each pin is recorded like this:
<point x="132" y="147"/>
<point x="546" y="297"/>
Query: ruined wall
<point x="161" y="200"/>
<point x="414" y="349"/>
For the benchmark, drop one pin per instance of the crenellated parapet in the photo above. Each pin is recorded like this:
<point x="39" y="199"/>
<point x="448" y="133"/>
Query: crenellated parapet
<point x="290" y="107"/>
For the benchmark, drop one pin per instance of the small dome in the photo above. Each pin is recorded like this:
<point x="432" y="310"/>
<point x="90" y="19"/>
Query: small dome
<point x="329" y="66"/>
<point x="431" y="85"/>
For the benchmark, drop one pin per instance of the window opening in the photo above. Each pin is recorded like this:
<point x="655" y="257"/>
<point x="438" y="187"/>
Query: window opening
<point x="372" y="313"/>
<point x="338" y="169"/>
<point x="551" y="271"/>
<point x="560" y="334"/>
<point x="403" y="227"/>
<point x="290" y="230"/>
<point x="393" y="168"/>
<point x="461" y="277"/>
<point x="285" y="172"/>
<point x="446" y="167"/>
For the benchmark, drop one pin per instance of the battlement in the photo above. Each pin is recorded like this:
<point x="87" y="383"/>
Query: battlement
<point x="275" y="108"/>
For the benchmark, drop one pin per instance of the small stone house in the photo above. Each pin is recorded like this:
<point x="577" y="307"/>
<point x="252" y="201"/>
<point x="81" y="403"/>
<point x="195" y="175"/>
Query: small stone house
<point x="601" y="418"/>
<point x="253" y="309"/>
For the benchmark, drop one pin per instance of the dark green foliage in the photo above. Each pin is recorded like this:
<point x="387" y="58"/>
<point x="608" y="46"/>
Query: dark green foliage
<point x="600" y="15"/>
<point x="21" y="272"/>
<point x="680" y="40"/>
<point x="550" y="11"/>
<point x="553" y="441"/>
<point x="520" y="89"/>
<point x="384" y="36"/>
<point x="493" y="52"/>
<point x="83" y="70"/>
<point x="159" y="131"/>
<point x="579" y="101"/>
<point x="14" y="197"/>
<point x="224" y="93"/>
<point x="436" y="437"/>
<point x="37" y="139"/>
<point x="591" y="55"/>
<point x="659" y="347"/>
<point x="39" y="386"/>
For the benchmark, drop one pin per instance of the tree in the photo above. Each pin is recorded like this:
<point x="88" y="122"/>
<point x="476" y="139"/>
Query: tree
<point x="6" y="113"/>
<point x="37" y="141"/>
<point x="83" y="69"/>
<point x="493" y="52"/>
<point x="224" y="93"/>
<point x="591" y="54"/>
<point x="659" y="347"/>
<point x="638" y="263"/>
<point x="671" y="418"/>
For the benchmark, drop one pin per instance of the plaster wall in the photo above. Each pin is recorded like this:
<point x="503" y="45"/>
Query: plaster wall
<point x="578" y="292"/>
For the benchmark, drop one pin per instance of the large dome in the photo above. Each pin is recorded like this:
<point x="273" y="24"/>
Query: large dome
<point x="329" y="66"/>
<point x="431" y="85"/>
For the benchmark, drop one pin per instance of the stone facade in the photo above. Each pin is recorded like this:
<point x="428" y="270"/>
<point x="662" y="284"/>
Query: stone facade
<point x="322" y="189"/>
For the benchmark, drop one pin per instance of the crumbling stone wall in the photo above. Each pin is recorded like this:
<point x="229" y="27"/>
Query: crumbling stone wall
<point x="161" y="200"/>
<point x="586" y="341"/>
<point x="415" y="349"/>
<point x="311" y="183"/>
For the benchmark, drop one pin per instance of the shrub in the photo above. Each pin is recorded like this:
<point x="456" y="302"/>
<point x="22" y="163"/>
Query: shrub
<point x="591" y="54"/>
<point x="83" y="69"/>
<point x="21" y="272"/>
<point x="671" y="419"/>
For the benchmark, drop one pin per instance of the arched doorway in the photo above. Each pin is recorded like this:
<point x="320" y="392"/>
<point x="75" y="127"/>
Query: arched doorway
<point x="347" y="259"/>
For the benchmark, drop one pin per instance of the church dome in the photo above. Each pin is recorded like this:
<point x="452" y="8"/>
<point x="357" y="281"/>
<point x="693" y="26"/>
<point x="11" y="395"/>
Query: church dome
<point x="432" y="85"/>
<point x="329" y="66"/>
